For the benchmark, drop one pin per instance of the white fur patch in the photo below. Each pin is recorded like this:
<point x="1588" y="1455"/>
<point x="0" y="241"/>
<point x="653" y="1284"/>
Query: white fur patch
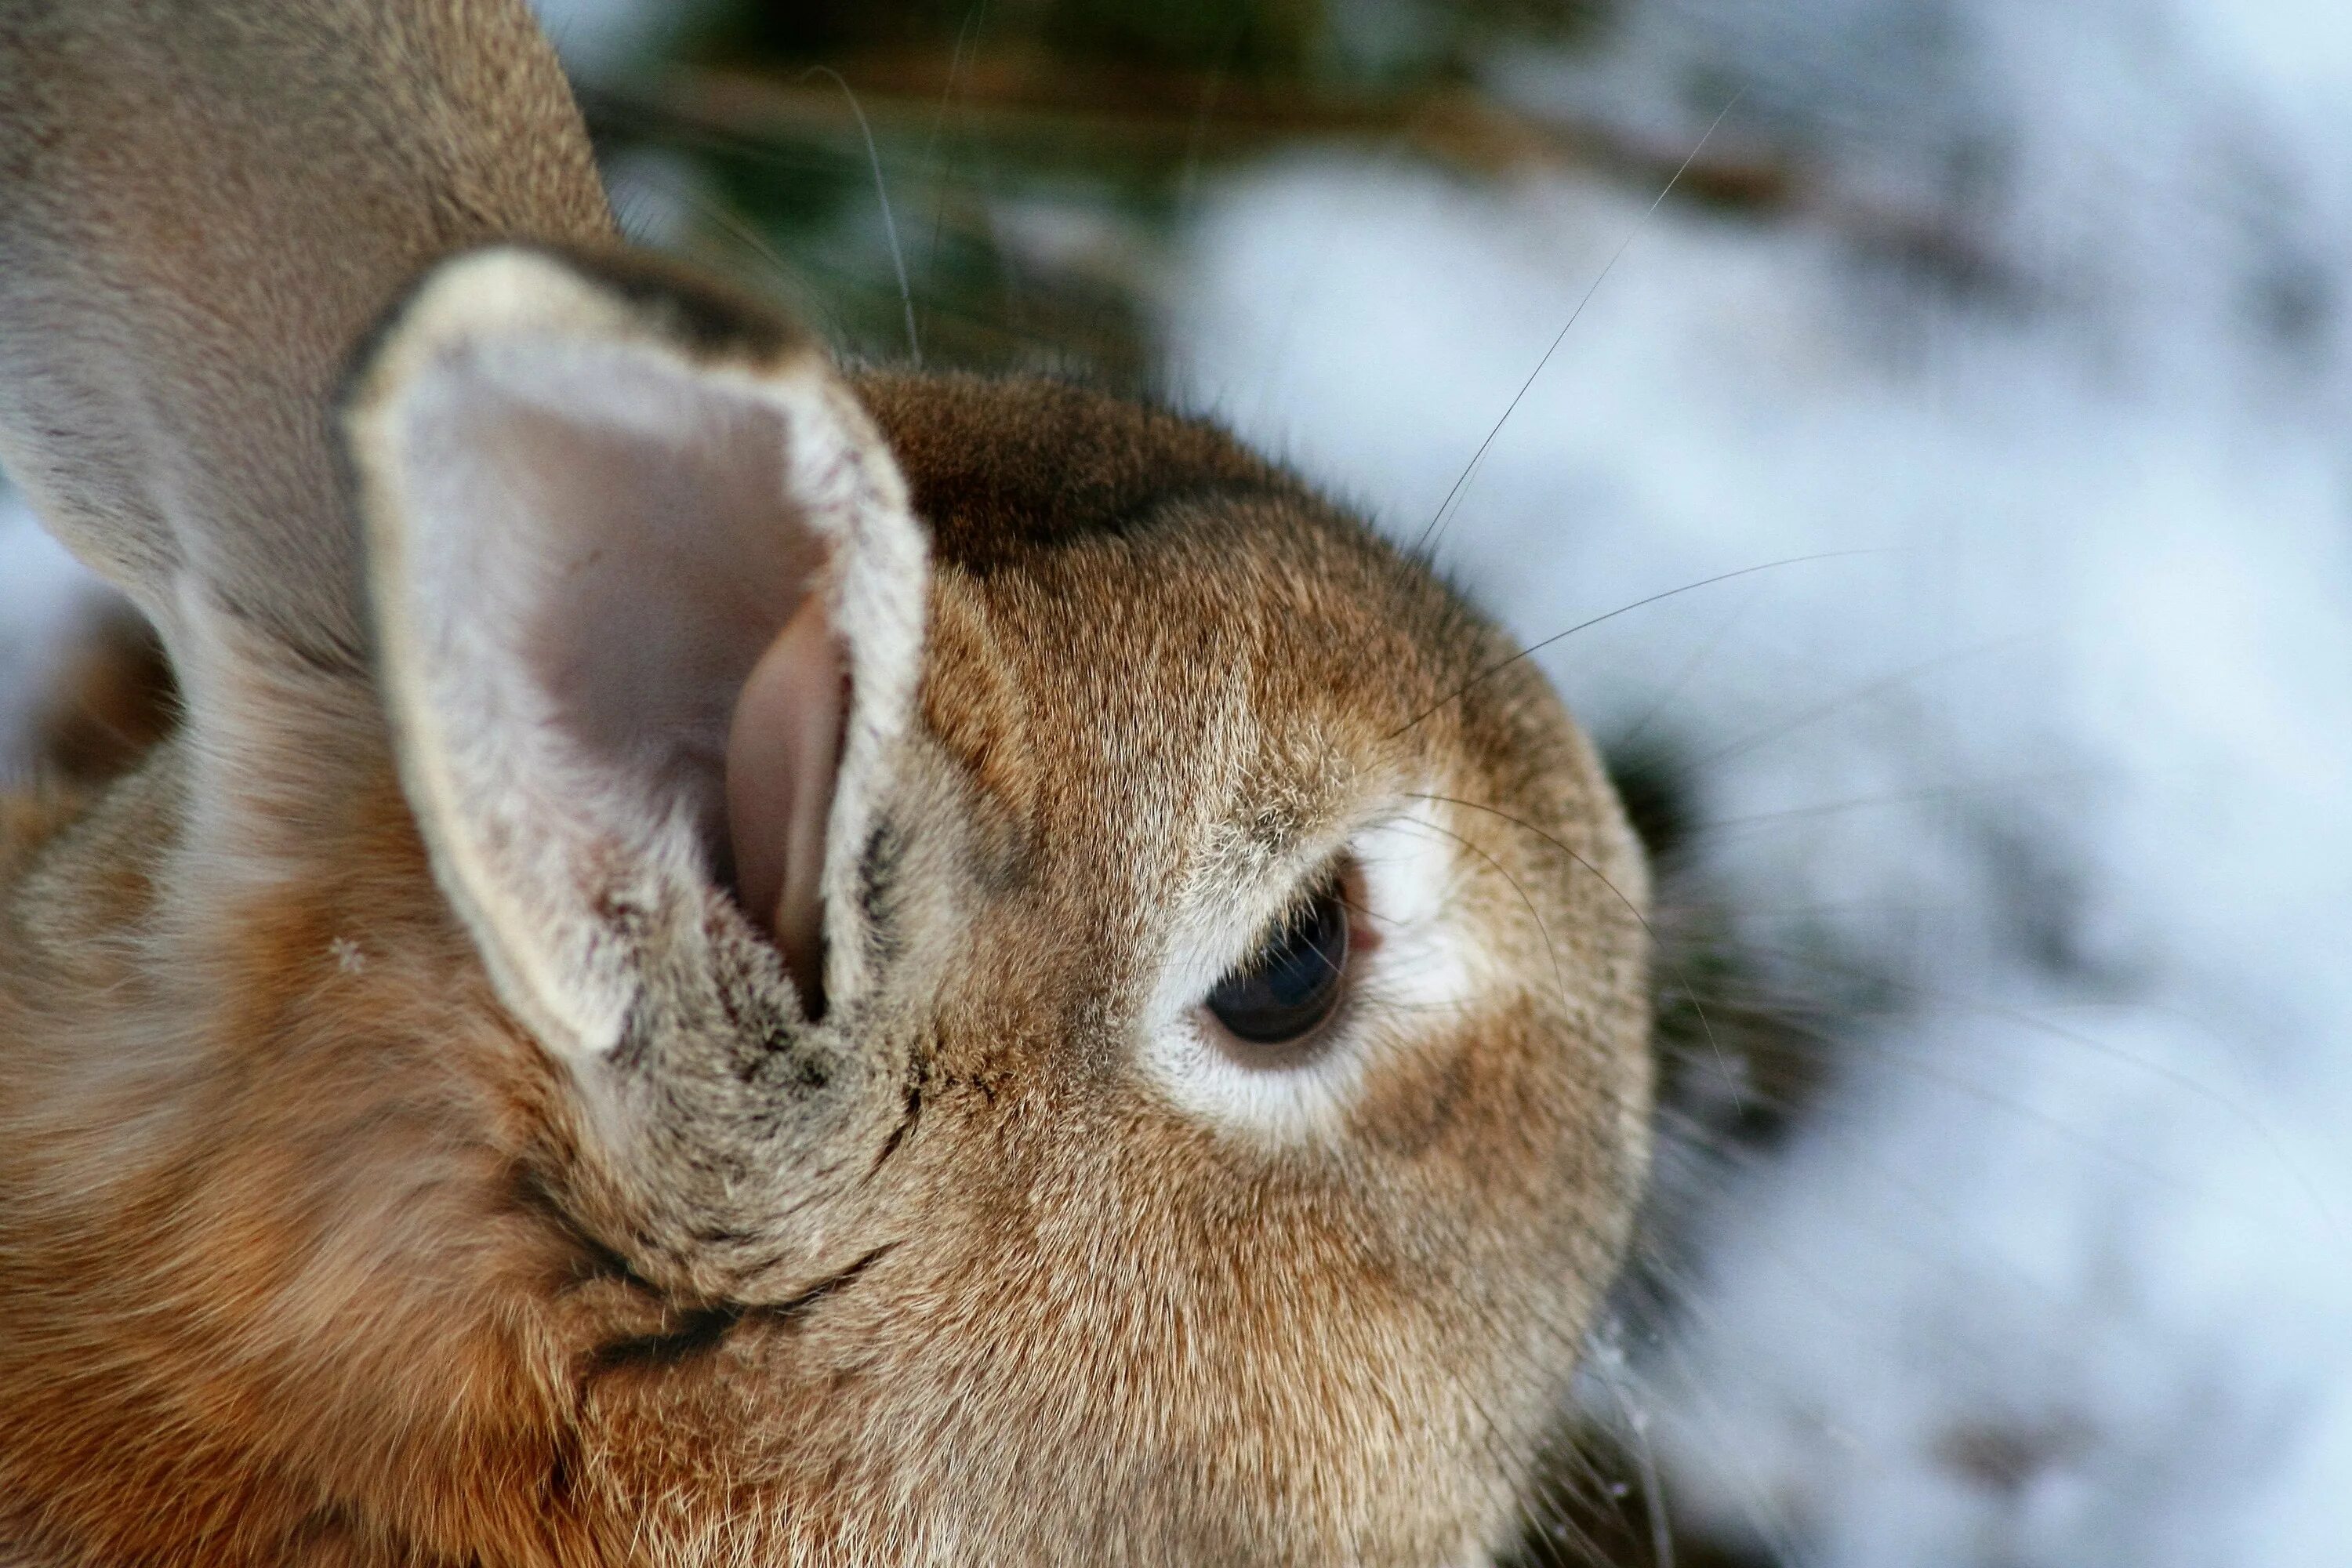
<point x="1417" y="962"/>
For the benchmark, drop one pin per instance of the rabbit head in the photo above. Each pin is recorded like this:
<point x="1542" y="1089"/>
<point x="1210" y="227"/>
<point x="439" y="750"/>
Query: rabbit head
<point x="732" y="963"/>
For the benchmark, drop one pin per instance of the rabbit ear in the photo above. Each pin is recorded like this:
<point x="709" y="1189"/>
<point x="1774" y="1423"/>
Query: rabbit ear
<point x="202" y="207"/>
<point x="626" y="537"/>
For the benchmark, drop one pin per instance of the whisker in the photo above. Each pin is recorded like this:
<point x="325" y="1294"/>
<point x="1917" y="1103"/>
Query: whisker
<point x="1559" y="974"/>
<point x="1438" y="523"/>
<point x="882" y="194"/>
<point x="2235" y="1110"/>
<point x="736" y="227"/>
<point x="1690" y="667"/>
<point x="1657" y="947"/>
<point x="1533" y="648"/>
<point x="1451" y="894"/>
<point x="1925" y="997"/>
<point x="1871" y="688"/>
<point x="958" y="59"/>
<point x="1764" y="1514"/>
<point x="1971" y="789"/>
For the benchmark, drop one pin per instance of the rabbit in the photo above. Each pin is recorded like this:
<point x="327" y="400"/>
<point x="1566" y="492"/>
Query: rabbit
<point x="730" y="960"/>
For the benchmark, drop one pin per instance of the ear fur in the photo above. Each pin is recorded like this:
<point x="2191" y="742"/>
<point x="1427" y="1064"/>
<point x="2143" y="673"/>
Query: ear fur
<point x="593" y="492"/>
<point x="593" y="495"/>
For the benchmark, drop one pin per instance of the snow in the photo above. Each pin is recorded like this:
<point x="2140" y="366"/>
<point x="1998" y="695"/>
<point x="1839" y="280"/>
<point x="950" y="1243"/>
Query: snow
<point x="2059" y="1271"/>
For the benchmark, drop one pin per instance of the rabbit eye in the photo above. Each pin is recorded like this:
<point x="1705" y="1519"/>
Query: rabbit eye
<point x="1288" y="991"/>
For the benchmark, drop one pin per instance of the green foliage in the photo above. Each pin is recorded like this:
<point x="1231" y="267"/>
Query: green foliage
<point x="1036" y="155"/>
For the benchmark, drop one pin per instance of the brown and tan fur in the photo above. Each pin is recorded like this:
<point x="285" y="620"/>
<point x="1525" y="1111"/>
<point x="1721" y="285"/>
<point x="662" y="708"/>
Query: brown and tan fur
<point x="308" y="1251"/>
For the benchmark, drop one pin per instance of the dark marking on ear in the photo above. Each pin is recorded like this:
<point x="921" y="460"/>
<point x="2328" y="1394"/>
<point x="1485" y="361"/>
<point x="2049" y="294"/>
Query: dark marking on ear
<point x="703" y="314"/>
<point x="877" y="872"/>
<point x="708" y="319"/>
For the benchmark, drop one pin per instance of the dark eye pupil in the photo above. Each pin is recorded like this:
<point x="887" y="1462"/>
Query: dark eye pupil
<point x="1292" y="986"/>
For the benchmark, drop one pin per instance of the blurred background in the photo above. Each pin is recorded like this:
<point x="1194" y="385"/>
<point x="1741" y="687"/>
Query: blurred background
<point x="1916" y="432"/>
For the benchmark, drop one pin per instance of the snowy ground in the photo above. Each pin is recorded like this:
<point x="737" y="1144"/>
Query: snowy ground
<point x="2049" y="734"/>
<point x="2060" y="1272"/>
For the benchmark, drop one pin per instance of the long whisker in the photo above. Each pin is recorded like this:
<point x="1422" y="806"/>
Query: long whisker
<point x="1871" y="688"/>
<point x="1682" y="678"/>
<point x="1663" y="954"/>
<point x="1437" y="523"/>
<point x="1769" y="1518"/>
<point x="1607" y="1364"/>
<point x="1559" y="974"/>
<point x="1968" y="790"/>
<point x="1923" y="995"/>
<point x="882" y="194"/>
<point x="1533" y="648"/>
<point x="958" y="62"/>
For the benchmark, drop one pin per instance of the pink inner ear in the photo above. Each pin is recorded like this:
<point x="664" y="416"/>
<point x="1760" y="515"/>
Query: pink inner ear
<point x="783" y="751"/>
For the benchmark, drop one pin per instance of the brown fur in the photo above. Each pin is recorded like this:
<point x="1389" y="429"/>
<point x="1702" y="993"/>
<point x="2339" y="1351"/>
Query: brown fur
<point x="287" y="1266"/>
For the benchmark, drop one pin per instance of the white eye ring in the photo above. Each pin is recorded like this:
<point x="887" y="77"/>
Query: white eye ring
<point x="1406" y="959"/>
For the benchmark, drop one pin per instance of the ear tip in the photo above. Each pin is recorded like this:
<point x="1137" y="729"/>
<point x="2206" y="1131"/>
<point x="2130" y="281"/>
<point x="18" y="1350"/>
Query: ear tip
<point x="530" y="287"/>
<point x="493" y="291"/>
